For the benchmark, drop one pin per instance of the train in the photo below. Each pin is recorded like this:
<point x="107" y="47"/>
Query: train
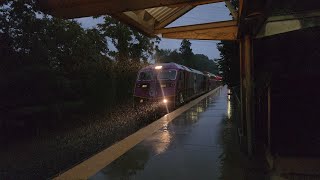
<point x="171" y="84"/>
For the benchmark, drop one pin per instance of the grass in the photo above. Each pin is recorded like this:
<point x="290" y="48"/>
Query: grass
<point x="45" y="156"/>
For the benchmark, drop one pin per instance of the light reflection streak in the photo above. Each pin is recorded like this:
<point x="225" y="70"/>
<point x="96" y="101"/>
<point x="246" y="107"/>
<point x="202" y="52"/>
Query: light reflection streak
<point x="162" y="93"/>
<point x="160" y="142"/>
<point x="165" y="138"/>
<point x="200" y="109"/>
<point x="194" y="116"/>
<point x="229" y="105"/>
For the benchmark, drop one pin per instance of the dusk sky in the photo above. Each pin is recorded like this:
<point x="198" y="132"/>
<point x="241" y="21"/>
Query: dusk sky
<point x="201" y="14"/>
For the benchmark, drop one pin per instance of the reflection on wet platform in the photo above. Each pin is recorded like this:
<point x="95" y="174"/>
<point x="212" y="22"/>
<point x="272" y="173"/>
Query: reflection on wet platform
<point x="189" y="147"/>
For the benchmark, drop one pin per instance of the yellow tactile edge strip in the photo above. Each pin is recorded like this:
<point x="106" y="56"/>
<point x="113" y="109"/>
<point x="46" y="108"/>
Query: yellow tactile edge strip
<point x="97" y="162"/>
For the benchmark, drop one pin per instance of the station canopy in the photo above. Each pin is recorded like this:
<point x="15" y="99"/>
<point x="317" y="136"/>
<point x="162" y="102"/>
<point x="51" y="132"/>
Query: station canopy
<point x="148" y="16"/>
<point x="259" y="18"/>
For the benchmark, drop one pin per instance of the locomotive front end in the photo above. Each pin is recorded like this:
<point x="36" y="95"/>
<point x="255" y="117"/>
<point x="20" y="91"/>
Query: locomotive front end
<point x="156" y="84"/>
<point x="166" y="85"/>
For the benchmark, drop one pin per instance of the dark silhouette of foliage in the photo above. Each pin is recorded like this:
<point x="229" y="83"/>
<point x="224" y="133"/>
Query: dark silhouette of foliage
<point x="129" y="43"/>
<point x="54" y="72"/>
<point x="132" y="51"/>
<point x="186" y="52"/>
<point x="186" y="57"/>
<point x="185" y="49"/>
<point x="229" y="62"/>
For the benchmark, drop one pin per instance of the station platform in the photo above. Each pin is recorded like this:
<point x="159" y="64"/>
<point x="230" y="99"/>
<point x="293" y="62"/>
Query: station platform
<point x="187" y="144"/>
<point x="188" y="147"/>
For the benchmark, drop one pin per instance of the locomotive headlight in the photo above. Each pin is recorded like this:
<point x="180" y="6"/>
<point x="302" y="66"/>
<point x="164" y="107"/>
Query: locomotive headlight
<point x="158" y="67"/>
<point x="165" y="101"/>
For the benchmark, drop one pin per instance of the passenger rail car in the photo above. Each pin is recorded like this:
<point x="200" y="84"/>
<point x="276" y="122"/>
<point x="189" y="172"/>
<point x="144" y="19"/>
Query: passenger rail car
<point x="170" y="84"/>
<point x="211" y="81"/>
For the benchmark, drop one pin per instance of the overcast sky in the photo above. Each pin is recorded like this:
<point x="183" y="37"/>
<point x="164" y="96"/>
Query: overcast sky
<point x="201" y="14"/>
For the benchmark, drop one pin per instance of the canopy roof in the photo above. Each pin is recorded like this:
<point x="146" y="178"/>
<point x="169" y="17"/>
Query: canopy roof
<point x="148" y="16"/>
<point x="258" y="18"/>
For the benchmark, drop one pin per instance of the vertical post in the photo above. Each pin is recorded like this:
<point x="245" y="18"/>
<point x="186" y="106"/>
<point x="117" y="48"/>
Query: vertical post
<point x="247" y="91"/>
<point x="242" y="93"/>
<point x="240" y="8"/>
<point x="269" y="116"/>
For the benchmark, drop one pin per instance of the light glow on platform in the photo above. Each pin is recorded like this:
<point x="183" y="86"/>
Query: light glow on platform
<point x="229" y="105"/>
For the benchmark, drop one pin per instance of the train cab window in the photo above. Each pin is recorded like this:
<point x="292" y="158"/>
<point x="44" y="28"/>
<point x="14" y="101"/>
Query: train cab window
<point x="167" y="74"/>
<point x="145" y="76"/>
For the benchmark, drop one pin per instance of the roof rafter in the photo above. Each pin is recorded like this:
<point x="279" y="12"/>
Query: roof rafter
<point x="172" y="17"/>
<point x="82" y="8"/>
<point x="226" y="30"/>
<point x="135" y="24"/>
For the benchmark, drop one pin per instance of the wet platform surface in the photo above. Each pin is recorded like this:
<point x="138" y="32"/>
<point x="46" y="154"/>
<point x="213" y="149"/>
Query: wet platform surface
<point x="189" y="147"/>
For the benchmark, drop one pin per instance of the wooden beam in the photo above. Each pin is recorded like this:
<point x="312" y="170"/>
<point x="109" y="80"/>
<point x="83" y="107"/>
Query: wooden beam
<point x="142" y="18"/>
<point x="240" y="9"/>
<point x="142" y="14"/>
<point x="309" y="14"/>
<point x="82" y="8"/>
<point x="243" y="118"/>
<point x="197" y="2"/>
<point x="232" y="9"/>
<point x="249" y="91"/>
<point x="172" y="17"/>
<point x="221" y="24"/>
<point x="269" y="116"/>
<point x="226" y="30"/>
<point x="143" y="28"/>
<point x="228" y="33"/>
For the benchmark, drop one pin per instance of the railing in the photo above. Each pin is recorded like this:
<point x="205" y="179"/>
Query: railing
<point x="234" y="98"/>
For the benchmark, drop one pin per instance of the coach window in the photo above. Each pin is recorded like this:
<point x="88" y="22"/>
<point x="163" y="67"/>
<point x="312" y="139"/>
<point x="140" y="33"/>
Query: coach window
<point x="167" y="74"/>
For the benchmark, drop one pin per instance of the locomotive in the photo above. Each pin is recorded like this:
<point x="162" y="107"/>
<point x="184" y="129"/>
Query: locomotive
<point x="171" y="84"/>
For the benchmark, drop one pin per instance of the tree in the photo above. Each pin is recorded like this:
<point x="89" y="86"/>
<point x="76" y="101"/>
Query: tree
<point x="200" y="62"/>
<point x="186" y="52"/>
<point x="162" y="55"/>
<point x="229" y="62"/>
<point x="185" y="48"/>
<point x="54" y="65"/>
<point x="177" y="58"/>
<point x="203" y="63"/>
<point x="130" y="44"/>
<point x="167" y="55"/>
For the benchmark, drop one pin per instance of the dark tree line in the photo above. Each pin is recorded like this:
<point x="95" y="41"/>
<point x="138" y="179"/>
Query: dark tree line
<point x="229" y="63"/>
<point x="186" y="57"/>
<point x="54" y="70"/>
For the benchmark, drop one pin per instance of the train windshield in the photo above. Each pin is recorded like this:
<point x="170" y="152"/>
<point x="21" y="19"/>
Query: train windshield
<point x="145" y="76"/>
<point x="167" y="74"/>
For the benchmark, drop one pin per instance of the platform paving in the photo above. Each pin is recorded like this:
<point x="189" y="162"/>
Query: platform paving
<point x="192" y="146"/>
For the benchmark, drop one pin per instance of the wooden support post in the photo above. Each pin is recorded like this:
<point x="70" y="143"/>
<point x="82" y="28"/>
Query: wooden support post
<point x="242" y="93"/>
<point x="248" y="61"/>
<point x="269" y="116"/>
<point x="247" y="90"/>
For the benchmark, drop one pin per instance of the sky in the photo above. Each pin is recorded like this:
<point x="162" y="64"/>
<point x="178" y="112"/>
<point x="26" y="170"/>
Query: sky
<point x="201" y="14"/>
